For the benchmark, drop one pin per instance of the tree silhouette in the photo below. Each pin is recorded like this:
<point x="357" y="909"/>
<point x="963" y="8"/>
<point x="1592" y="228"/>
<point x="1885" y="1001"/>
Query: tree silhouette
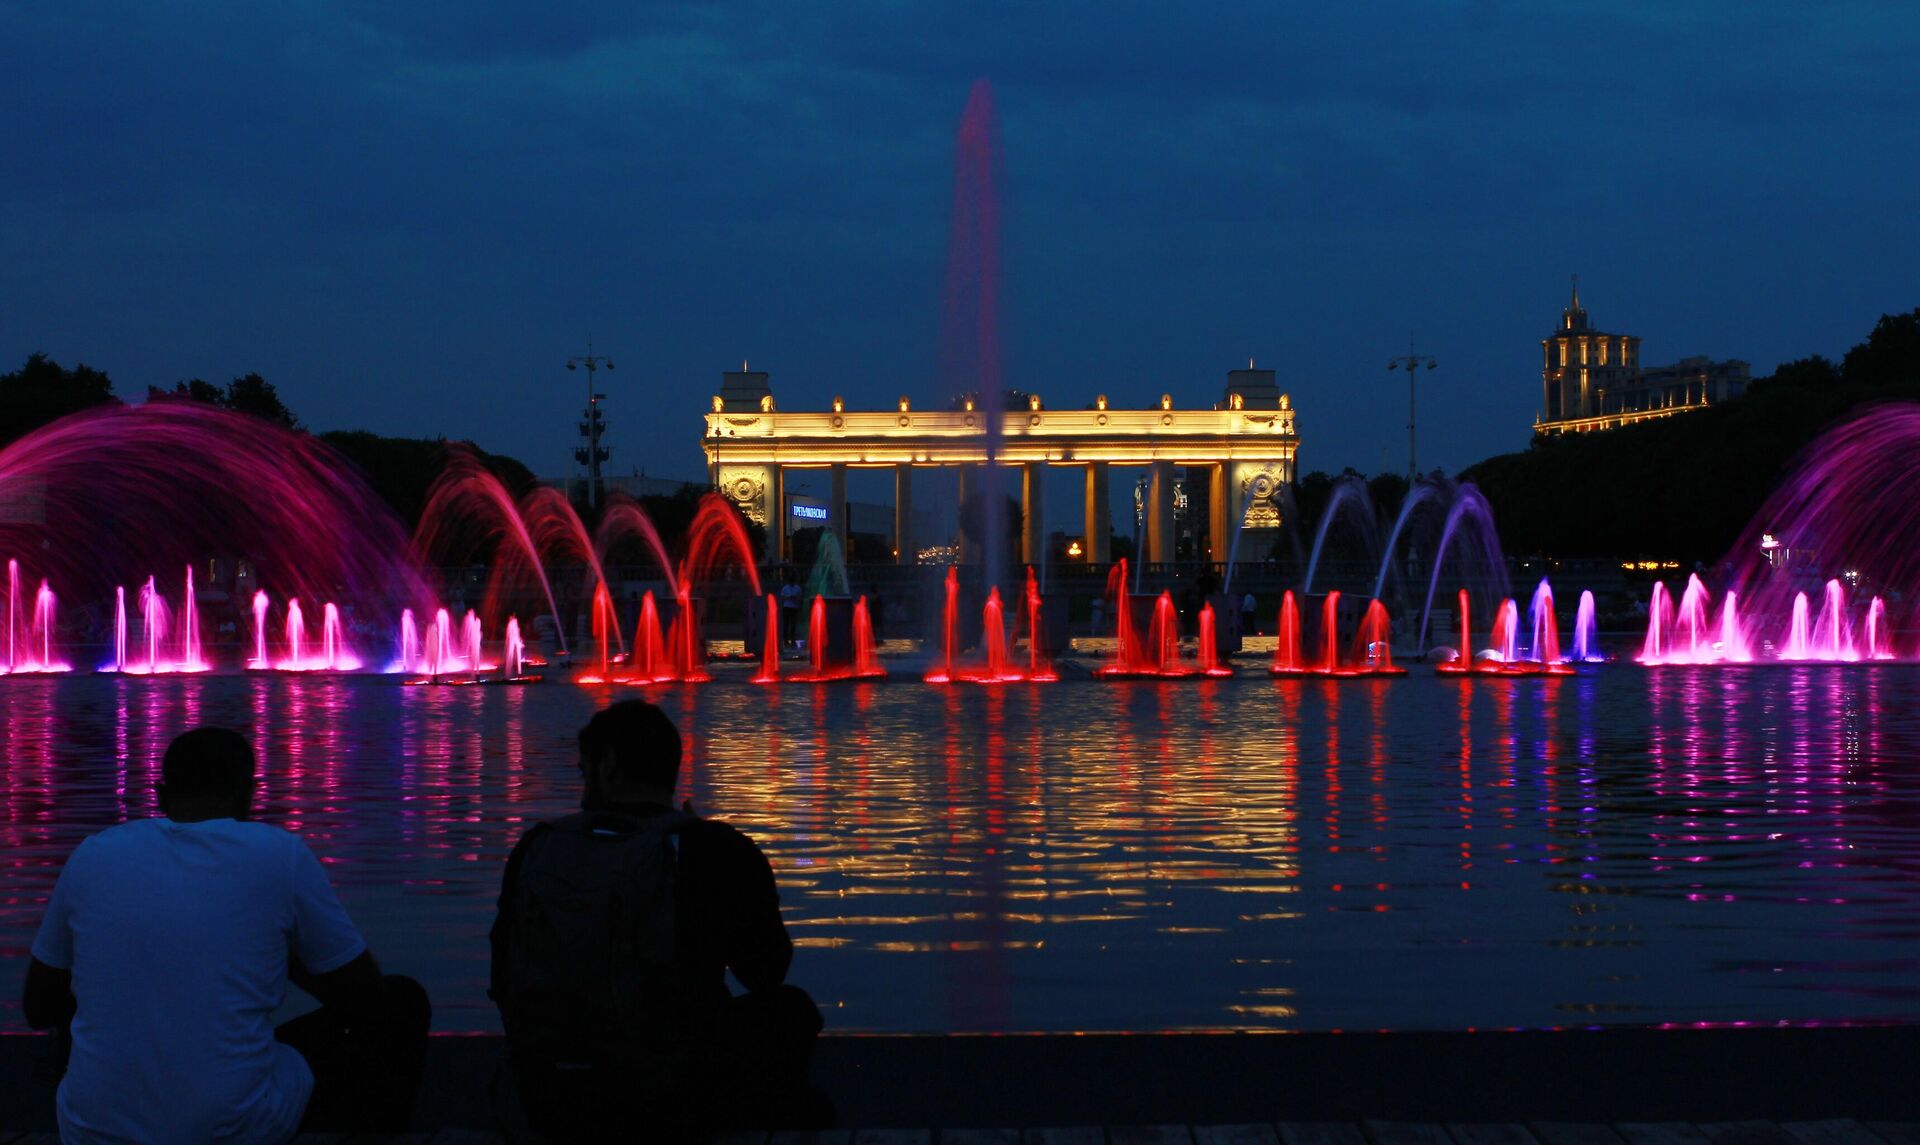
<point x="42" y="390"/>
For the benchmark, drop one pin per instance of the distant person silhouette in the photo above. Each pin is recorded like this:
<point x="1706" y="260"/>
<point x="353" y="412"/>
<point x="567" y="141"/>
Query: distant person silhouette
<point x="616" y="929"/>
<point x="168" y="944"/>
<point x="790" y="608"/>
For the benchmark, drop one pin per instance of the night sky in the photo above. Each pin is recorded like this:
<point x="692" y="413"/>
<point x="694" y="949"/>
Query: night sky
<point x="407" y="215"/>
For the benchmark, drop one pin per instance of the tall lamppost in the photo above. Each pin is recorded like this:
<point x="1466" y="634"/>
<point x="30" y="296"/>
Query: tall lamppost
<point x="1412" y="363"/>
<point x="591" y="454"/>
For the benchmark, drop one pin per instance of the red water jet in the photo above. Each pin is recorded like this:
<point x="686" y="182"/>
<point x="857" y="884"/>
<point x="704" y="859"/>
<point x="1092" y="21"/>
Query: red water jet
<point x="1209" y="650"/>
<point x="1330" y="635"/>
<point x="866" y="658"/>
<point x="770" y="646"/>
<point x="689" y="650"/>
<point x="1373" y="644"/>
<point x="1039" y="667"/>
<point x="649" y="659"/>
<point x="1286" y="650"/>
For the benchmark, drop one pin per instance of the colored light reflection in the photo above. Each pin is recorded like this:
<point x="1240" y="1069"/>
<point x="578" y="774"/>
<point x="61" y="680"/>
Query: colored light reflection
<point x="1294" y="853"/>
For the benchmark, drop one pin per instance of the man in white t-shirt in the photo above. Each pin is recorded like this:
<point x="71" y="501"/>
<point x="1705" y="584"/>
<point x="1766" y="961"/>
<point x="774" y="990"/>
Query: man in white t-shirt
<point x="168" y="944"/>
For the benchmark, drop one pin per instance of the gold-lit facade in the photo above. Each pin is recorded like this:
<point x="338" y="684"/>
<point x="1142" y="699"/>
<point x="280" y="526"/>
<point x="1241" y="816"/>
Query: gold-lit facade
<point x="1246" y="444"/>
<point x="1591" y="380"/>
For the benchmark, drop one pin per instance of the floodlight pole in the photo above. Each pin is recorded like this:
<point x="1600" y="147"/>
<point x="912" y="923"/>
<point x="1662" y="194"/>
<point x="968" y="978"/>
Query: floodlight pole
<point x="1412" y="363"/>
<point x="591" y="454"/>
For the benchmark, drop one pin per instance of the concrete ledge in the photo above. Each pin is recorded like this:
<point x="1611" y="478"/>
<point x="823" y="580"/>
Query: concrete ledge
<point x="1185" y="1079"/>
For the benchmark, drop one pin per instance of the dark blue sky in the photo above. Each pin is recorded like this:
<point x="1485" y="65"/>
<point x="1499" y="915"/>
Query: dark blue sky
<point x="407" y="215"/>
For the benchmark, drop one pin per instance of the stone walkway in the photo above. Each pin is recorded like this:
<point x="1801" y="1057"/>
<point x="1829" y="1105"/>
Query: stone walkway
<point x="1831" y="1132"/>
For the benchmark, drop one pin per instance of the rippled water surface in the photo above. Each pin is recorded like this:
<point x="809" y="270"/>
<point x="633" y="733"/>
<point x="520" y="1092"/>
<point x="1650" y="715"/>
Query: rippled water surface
<point x="1625" y="847"/>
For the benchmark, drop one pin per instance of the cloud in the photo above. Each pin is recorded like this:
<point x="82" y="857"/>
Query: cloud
<point x="406" y="212"/>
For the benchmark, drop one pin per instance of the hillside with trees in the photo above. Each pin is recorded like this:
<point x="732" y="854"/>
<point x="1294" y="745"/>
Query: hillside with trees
<point x="1682" y="488"/>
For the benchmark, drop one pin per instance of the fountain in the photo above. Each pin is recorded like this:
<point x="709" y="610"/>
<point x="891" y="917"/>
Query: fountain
<point x="1685" y="636"/>
<point x="770" y="645"/>
<point x="1286" y="648"/>
<point x="1503" y="657"/>
<point x="1586" y="631"/>
<point x="1841" y="521"/>
<point x="30" y="637"/>
<point x="997" y="664"/>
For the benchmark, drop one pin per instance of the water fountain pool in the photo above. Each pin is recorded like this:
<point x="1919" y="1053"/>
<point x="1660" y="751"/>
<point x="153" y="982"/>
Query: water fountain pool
<point x="1622" y="847"/>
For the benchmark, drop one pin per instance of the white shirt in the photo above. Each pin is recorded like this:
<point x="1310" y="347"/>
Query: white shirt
<point x="178" y="936"/>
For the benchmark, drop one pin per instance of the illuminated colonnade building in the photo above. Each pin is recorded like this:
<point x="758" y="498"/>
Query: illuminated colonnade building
<point x="1592" y="380"/>
<point x="1245" y="445"/>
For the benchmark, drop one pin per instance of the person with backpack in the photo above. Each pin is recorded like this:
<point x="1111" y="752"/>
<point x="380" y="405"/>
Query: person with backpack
<point x="616" y="929"/>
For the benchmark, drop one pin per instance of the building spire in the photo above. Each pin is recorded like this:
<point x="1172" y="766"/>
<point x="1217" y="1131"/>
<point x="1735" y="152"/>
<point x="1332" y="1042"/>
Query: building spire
<point x="1573" y="317"/>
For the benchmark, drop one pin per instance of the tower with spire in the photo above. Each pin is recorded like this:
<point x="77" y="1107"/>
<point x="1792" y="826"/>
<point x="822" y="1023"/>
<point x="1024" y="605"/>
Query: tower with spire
<point x="1582" y="364"/>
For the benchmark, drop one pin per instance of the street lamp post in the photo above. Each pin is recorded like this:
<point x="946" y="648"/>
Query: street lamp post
<point x="1412" y="363"/>
<point x="591" y="454"/>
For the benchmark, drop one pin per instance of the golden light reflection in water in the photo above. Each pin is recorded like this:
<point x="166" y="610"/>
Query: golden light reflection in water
<point x="1290" y="853"/>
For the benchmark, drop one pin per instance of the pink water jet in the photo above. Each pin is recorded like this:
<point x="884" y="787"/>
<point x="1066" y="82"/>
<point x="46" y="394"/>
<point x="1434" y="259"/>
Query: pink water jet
<point x="513" y="652"/>
<point x="1586" y="631"/>
<point x="1733" y="641"/>
<point x="1653" y="649"/>
<point x="472" y="637"/>
<point x="1546" y="627"/>
<point x="1879" y="640"/>
<point x="410" y="656"/>
<point x="469" y="514"/>
<point x="1691" y="637"/>
<point x="120" y="663"/>
<point x="30" y="637"/>
<point x="296" y="638"/>
<point x="1832" y="634"/>
<point x="1799" y="631"/>
<point x="261" y="603"/>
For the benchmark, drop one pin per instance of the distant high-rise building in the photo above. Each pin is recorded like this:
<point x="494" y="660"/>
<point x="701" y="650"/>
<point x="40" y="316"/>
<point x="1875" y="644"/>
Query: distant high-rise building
<point x="1591" y="380"/>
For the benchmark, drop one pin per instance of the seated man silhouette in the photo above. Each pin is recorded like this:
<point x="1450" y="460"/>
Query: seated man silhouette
<point x="616" y="929"/>
<point x="167" y="946"/>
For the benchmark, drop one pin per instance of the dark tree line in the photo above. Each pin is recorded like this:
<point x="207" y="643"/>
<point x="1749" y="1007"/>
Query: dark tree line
<point x="1682" y="488"/>
<point x="400" y="469"/>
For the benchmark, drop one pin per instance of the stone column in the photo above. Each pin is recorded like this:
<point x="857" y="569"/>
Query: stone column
<point x="837" y="504"/>
<point x="776" y="516"/>
<point x="903" y="538"/>
<point x="1160" y="513"/>
<point x="1033" y="547"/>
<point x="1220" y="521"/>
<point x="1099" y="525"/>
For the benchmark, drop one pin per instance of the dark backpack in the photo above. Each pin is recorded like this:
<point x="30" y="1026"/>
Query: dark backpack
<point x="593" y="985"/>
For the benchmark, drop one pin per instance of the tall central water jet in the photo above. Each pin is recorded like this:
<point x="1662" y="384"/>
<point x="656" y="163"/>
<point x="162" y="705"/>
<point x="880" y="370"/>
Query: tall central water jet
<point x="972" y="306"/>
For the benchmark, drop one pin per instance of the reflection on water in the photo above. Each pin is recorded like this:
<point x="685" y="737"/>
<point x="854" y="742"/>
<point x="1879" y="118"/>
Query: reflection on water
<point x="1634" y="846"/>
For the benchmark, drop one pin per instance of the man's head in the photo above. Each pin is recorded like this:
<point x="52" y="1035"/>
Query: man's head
<point x="207" y="773"/>
<point x="630" y="753"/>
